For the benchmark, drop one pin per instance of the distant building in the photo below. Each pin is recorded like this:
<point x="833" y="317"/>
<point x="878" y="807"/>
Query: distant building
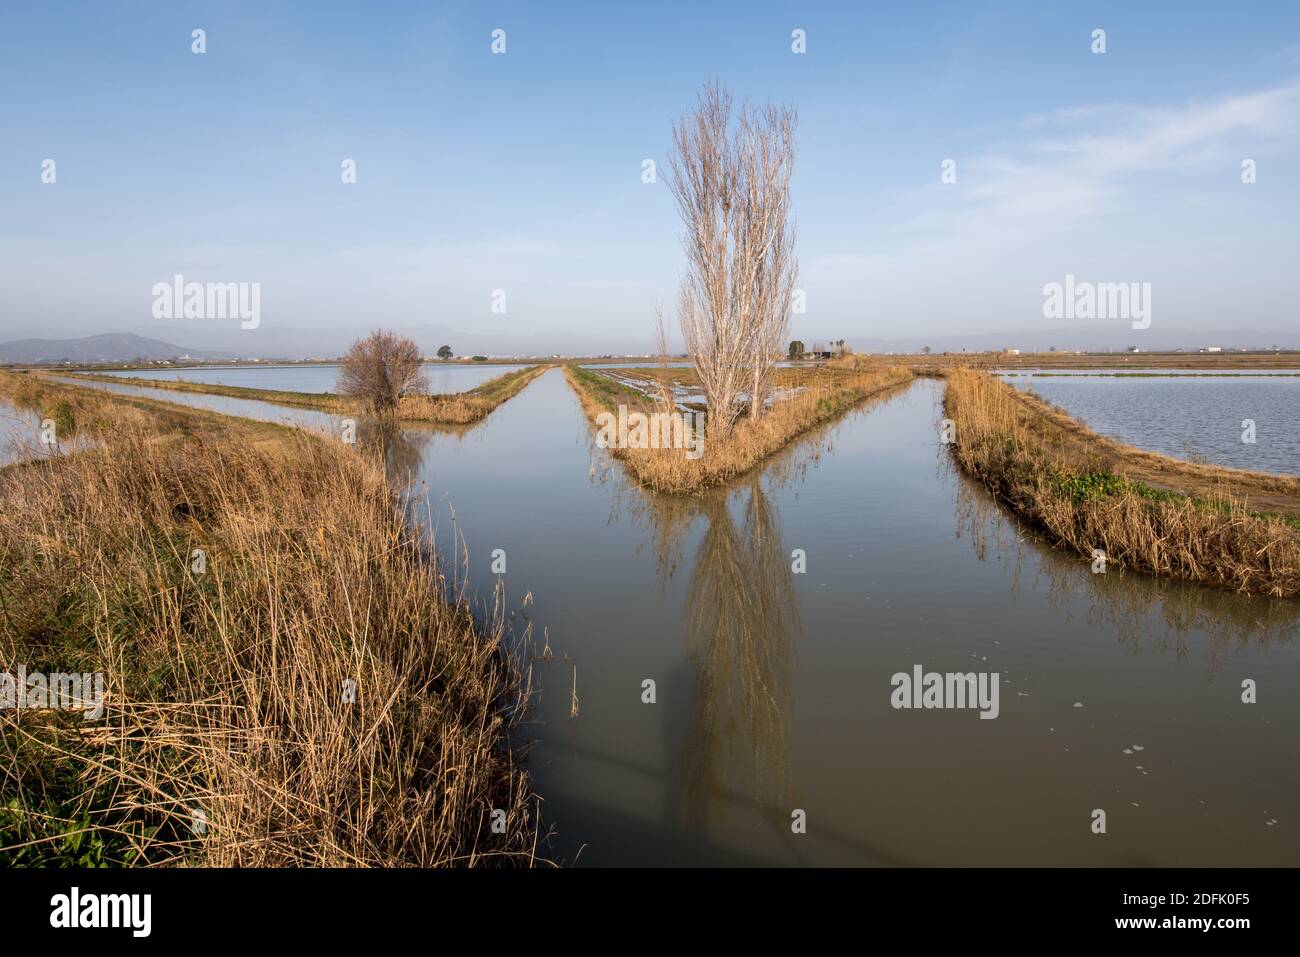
<point x="1012" y="352"/>
<point x="1213" y="349"/>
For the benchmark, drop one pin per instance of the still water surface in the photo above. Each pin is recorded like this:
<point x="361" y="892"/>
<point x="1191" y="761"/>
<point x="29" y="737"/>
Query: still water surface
<point x="1117" y="691"/>
<point x="247" y="408"/>
<point x="22" y="438"/>
<point x="1196" y="418"/>
<point x="316" y="378"/>
<point x="773" y="688"/>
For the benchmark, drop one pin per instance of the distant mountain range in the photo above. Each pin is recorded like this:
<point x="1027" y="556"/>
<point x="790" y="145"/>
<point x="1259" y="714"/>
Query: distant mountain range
<point x="113" y="347"/>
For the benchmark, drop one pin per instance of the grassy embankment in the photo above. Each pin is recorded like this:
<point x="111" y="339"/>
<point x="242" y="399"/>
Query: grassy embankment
<point x="456" y="408"/>
<point x="1147" y="511"/>
<point x="822" y="397"/>
<point x="227" y="688"/>
<point x="84" y="412"/>
<point x="463" y="408"/>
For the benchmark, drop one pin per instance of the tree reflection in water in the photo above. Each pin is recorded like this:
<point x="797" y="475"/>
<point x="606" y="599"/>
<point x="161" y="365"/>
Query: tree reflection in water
<point x="741" y="624"/>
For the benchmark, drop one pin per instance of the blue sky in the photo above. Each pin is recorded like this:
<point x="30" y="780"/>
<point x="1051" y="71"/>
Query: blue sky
<point x="522" y="171"/>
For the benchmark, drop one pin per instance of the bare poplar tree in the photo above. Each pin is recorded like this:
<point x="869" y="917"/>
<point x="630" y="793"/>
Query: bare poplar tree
<point x="666" y="401"/>
<point x="771" y="270"/>
<point x="732" y="187"/>
<point x="381" y="368"/>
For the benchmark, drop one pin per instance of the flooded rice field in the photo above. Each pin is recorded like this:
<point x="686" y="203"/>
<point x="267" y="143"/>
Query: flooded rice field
<point x="772" y="686"/>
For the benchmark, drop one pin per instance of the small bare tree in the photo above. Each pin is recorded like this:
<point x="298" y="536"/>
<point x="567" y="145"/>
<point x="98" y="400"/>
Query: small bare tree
<point x="732" y="187"/>
<point x="381" y="368"/>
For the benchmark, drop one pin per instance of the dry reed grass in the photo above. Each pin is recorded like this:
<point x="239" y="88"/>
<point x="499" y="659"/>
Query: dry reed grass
<point x="79" y="412"/>
<point x="226" y="689"/>
<point x="750" y="441"/>
<point x="464" y="408"/>
<point x="1081" y="494"/>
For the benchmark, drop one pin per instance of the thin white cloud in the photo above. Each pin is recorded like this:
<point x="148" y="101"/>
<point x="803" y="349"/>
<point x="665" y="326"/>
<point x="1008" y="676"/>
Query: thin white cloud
<point x="1041" y="197"/>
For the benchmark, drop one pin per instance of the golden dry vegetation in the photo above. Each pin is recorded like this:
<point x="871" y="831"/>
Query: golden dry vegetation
<point x="313" y="694"/>
<point x="821" y="397"/>
<point x="1145" y="511"/>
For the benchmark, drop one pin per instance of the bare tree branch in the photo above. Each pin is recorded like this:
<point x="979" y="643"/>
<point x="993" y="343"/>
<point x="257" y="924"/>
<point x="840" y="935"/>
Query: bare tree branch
<point x="381" y="368"/>
<point x="732" y="188"/>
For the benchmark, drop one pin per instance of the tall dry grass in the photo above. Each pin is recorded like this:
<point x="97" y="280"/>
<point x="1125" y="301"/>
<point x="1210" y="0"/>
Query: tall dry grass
<point x="1079" y="493"/>
<point x="749" y="442"/>
<point x="78" y="410"/>
<point x="228" y="701"/>
<point x="90" y="416"/>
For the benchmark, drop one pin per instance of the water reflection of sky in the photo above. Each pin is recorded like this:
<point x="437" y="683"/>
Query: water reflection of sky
<point x="315" y="378"/>
<point x="1188" y="417"/>
<point x="773" y="686"/>
<point x="21" y="436"/>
